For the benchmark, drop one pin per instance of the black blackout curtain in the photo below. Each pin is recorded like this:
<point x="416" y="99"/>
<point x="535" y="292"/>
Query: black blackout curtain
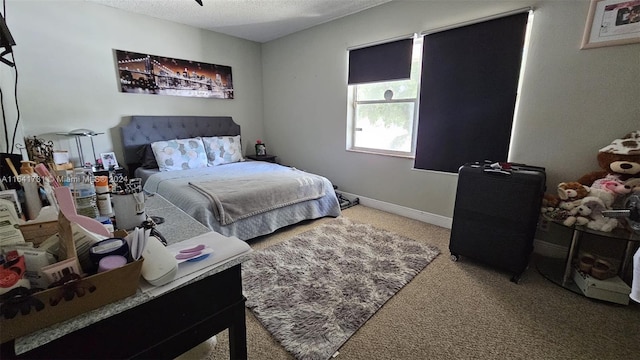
<point x="468" y="93"/>
<point x="382" y="62"/>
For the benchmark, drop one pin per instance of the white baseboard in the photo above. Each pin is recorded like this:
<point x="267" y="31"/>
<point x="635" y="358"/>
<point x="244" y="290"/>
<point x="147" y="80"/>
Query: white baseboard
<point x="539" y="247"/>
<point x="423" y="216"/>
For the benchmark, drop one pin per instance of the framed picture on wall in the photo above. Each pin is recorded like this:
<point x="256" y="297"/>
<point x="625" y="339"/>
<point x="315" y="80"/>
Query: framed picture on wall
<point x="612" y="22"/>
<point x="160" y="75"/>
<point x="109" y="160"/>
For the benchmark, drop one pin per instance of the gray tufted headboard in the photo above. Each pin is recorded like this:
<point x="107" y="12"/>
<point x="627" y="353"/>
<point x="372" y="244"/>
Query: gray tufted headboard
<point x="143" y="130"/>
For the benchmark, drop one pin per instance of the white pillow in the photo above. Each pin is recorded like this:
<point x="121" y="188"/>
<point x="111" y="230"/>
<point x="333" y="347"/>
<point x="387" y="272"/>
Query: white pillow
<point x="180" y="154"/>
<point x="223" y="149"/>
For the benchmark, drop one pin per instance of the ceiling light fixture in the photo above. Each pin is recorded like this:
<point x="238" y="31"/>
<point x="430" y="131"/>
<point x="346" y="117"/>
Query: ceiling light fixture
<point x="199" y="2"/>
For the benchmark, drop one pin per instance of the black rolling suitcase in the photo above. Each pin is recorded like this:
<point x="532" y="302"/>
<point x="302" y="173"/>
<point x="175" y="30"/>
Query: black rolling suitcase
<point x="495" y="215"/>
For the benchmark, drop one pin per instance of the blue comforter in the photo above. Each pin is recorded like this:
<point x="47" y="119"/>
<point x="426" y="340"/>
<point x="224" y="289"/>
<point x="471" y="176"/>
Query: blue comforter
<point x="174" y="186"/>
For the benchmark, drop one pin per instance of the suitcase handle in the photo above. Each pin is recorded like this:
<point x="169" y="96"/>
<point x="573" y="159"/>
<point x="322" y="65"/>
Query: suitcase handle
<point x="497" y="168"/>
<point x="498" y="171"/>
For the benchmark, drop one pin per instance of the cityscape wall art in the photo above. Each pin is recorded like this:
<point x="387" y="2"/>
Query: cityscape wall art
<point x="159" y="75"/>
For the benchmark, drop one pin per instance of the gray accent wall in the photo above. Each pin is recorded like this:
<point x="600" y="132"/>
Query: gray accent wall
<point x="573" y="102"/>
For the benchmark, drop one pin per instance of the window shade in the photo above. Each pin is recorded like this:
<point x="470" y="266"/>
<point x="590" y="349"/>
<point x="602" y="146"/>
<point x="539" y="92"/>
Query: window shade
<point x="468" y="93"/>
<point x="383" y="62"/>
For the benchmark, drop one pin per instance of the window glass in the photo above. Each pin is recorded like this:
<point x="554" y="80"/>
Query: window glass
<point x="384" y="126"/>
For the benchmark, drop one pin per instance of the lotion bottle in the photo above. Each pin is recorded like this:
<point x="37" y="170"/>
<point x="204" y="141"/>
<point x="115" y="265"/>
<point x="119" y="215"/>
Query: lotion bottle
<point x="31" y="186"/>
<point x="103" y="195"/>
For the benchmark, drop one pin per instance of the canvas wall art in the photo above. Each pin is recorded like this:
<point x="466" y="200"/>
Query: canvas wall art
<point x="152" y="74"/>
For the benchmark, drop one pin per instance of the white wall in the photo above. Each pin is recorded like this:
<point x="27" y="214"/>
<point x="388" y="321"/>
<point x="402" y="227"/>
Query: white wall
<point x="68" y="79"/>
<point x="573" y="102"/>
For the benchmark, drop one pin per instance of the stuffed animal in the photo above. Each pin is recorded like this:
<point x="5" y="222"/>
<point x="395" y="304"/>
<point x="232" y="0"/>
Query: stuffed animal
<point x="610" y="189"/>
<point x="551" y="207"/>
<point x="619" y="160"/>
<point x="589" y="213"/>
<point x="557" y="214"/>
<point x="612" y="184"/>
<point x="549" y="202"/>
<point x="571" y="193"/>
<point x="634" y="184"/>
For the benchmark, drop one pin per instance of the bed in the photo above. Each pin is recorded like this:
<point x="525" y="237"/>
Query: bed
<point x="281" y="195"/>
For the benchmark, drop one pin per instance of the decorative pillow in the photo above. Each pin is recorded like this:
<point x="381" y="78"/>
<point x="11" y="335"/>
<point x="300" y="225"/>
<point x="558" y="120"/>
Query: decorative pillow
<point x="147" y="158"/>
<point x="223" y="149"/>
<point x="180" y="154"/>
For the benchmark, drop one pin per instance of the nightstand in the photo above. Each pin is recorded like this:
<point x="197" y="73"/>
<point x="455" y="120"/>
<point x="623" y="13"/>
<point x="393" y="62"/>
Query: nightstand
<point x="267" y="158"/>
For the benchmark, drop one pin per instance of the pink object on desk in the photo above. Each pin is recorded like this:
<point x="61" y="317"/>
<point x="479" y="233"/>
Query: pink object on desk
<point x="42" y="170"/>
<point x="68" y="208"/>
<point x="111" y="262"/>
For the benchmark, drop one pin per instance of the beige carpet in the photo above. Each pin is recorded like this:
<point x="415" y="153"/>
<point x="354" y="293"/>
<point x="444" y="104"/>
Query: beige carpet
<point x="462" y="310"/>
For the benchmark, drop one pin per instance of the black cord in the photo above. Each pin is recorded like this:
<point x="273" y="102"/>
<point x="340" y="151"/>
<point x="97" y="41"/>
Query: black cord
<point x="15" y="95"/>
<point x="4" y="116"/>
<point x="10" y="149"/>
<point x="4" y="121"/>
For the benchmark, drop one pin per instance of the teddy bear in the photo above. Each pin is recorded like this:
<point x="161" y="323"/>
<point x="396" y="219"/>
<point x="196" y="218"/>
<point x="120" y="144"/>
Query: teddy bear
<point x="549" y="202"/>
<point x="634" y="184"/>
<point x="589" y="213"/>
<point x="619" y="161"/>
<point x="550" y="208"/>
<point x="570" y="194"/>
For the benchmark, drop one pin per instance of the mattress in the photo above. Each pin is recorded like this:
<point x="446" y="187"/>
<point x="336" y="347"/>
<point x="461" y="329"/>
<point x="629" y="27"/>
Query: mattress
<point x="174" y="186"/>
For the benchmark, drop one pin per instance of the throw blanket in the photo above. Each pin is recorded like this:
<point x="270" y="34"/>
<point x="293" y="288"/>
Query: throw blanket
<point x="239" y="198"/>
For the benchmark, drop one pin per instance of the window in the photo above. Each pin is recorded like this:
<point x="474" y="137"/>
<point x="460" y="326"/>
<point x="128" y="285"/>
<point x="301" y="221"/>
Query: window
<point x="382" y="115"/>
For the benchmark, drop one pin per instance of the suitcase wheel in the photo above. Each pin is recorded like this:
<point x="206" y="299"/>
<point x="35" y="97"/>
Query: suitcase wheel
<point x="516" y="277"/>
<point x="454" y="257"/>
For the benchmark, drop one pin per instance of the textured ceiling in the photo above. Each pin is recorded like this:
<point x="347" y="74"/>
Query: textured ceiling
<point x="256" y="20"/>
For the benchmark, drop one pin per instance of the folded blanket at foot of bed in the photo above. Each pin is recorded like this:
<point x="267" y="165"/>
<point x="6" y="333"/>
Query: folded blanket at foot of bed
<point x="239" y="198"/>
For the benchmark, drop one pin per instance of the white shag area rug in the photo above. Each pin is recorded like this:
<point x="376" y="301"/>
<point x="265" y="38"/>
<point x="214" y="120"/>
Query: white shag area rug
<point x="313" y="291"/>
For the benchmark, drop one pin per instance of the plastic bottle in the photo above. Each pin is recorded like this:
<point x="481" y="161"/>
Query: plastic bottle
<point x="29" y="181"/>
<point x="84" y="193"/>
<point x="103" y="195"/>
